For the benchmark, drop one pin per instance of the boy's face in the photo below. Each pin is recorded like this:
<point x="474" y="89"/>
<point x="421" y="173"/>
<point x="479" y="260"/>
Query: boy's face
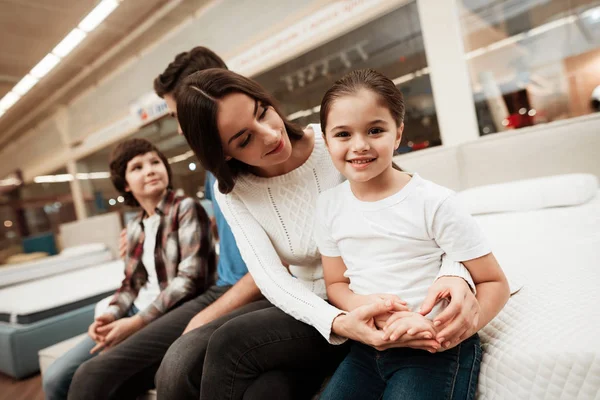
<point x="146" y="176"/>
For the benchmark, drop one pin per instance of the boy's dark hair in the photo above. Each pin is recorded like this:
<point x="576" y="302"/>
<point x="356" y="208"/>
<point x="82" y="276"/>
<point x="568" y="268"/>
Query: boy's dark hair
<point x="197" y="105"/>
<point x="185" y="64"/>
<point x="121" y="155"/>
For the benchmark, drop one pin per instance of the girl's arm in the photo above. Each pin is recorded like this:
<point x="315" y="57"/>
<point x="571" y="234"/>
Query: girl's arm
<point x="459" y="235"/>
<point x="492" y="289"/>
<point x="338" y="288"/>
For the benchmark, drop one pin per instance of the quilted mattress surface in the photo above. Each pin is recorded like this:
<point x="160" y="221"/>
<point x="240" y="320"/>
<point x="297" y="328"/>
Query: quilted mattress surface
<point x="42" y="298"/>
<point x="69" y="261"/>
<point x="545" y="344"/>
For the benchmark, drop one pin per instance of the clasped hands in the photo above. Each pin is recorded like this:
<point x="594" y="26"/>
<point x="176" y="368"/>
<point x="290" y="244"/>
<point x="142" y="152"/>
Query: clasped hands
<point x="107" y="331"/>
<point x="384" y="321"/>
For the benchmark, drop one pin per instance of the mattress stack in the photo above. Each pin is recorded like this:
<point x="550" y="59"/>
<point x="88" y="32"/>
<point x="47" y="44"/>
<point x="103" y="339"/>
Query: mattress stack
<point x="45" y="302"/>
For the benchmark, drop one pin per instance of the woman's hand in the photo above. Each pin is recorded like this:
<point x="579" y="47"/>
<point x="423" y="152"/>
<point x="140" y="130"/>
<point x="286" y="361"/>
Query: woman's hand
<point x="117" y="331"/>
<point x="358" y="324"/>
<point x="381" y="319"/>
<point x="459" y="320"/>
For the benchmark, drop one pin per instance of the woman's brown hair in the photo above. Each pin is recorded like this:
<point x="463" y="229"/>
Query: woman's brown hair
<point x="197" y="101"/>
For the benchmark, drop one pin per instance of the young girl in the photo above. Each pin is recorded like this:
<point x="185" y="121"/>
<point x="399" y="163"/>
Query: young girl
<point x="384" y="230"/>
<point x="269" y="173"/>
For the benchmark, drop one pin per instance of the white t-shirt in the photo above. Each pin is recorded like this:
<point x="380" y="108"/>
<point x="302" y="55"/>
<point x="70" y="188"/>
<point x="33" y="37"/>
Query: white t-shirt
<point x="395" y="245"/>
<point x="272" y="220"/>
<point x="150" y="291"/>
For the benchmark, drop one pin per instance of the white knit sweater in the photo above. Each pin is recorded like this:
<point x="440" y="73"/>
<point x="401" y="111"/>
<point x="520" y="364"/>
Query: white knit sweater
<point x="272" y="219"/>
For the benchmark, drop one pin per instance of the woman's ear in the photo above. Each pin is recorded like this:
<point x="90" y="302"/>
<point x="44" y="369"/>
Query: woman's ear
<point x="399" y="132"/>
<point x="325" y="139"/>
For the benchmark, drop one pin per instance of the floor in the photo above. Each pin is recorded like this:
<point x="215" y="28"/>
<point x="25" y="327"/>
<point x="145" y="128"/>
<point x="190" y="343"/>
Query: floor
<point x="24" y="389"/>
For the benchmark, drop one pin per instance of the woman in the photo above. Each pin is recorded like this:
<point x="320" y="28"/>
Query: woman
<point x="269" y="175"/>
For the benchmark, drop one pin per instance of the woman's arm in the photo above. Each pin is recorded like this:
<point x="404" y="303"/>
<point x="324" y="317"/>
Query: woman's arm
<point x="270" y="275"/>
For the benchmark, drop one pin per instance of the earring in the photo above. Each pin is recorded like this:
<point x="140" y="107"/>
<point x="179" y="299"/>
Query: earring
<point x="227" y="158"/>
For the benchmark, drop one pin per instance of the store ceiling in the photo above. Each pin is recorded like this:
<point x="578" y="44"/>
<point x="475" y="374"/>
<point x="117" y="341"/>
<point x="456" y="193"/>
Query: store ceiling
<point x="31" y="28"/>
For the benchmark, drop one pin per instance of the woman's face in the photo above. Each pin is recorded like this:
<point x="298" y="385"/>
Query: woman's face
<point x="251" y="132"/>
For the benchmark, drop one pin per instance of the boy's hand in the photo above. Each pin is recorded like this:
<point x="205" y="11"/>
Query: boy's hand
<point x="101" y="320"/>
<point x="117" y="331"/>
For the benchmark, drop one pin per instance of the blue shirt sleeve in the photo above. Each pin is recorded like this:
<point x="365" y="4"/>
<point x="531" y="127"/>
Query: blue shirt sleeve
<point x="208" y="186"/>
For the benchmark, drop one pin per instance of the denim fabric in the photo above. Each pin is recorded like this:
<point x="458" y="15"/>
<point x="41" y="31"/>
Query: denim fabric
<point x="57" y="379"/>
<point x="405" y="373"/>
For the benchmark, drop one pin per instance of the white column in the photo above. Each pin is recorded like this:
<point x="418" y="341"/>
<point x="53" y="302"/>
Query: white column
<point x="62" y="123"/>
<point x="453" y="97"/>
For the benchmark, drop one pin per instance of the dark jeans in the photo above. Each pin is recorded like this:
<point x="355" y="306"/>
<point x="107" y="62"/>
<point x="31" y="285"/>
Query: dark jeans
<point x="405" y="373"/>
<point x="223" y="359"/>
<point x="128" y="369"/>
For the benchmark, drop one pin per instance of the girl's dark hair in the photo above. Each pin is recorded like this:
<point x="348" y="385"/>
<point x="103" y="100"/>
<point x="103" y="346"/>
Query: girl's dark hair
<point x="183" y="65"/>
<point x="121" y="155"/>
<point x="390" y="96"/>
<point x="197" y="101"/>
<point x="365" y="79"/>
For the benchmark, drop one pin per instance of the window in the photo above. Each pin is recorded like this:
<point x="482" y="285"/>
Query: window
<point x="391" y="44"/>
<point x="531" y="61"/>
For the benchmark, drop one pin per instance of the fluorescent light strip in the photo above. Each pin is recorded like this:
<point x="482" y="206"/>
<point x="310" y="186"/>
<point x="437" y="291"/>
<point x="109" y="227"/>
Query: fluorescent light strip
<point x="46" y="65"/>
<point x="69" y="177"/>
<point x="97" y="15"/>
<point x="69" y="42"/>
<point x="51" y="60"/>
<point x="181" y="157"/>
<point x="25" y="84"/>
<point x="8" y="100"/>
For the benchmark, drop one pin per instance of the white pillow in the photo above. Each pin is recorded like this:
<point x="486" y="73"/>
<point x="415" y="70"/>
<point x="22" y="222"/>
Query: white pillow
<point x="83" y="249"/>
<point x="530" y="194"/>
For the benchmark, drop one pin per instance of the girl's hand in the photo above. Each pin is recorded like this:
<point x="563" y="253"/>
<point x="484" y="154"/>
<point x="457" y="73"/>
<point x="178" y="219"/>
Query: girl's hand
<point x="398" y="305"/>
<point x="459" y="320"/>
<point x="117" y="331"/>
<point x="408" y="329"/>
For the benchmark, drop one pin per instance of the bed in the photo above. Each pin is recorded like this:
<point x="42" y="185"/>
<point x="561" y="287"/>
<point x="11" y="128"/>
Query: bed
<point x="42" y="312"/>
<point x="70" y="259"/>
<point x="544" y="344"/>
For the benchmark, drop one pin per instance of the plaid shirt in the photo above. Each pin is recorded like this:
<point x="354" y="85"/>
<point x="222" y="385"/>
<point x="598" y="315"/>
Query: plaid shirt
<point x="185" y="257"/>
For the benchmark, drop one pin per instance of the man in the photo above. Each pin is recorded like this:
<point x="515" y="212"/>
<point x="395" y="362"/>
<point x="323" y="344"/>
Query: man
<point x="128" y="370"/>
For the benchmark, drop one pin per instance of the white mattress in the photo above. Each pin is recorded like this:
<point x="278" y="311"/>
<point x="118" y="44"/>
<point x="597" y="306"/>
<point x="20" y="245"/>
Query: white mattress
<point x="54" y="292"/>
<point x="73" y="260"/>
<point x="544" y="344"/>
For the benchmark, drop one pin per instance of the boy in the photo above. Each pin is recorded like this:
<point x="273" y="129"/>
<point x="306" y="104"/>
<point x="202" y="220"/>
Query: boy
<point x="170" y="258"/>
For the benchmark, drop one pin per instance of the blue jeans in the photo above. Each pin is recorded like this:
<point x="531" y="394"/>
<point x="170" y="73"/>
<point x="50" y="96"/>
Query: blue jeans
<point x="58" y="376"/>
<point x="405" y="373"/>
